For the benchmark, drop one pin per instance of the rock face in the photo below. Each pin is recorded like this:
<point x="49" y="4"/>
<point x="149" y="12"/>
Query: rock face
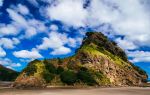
<point x="98" y="61"/>
<point x="7" y="74"/>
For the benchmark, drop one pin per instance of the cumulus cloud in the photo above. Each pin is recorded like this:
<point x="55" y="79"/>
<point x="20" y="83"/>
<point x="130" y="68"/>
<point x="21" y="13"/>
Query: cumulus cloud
<point x="15" y="65"/>
<point x="70" y="12"/>
<point x="61" y="51"/>
<point x="126" y="44"/>
<point x="9" y="29"/>
<point x="9" y="43"/>
<point x="127" y="21"/>
<point x="123" y="20"/>
<point x="8" y="63"/>
<point x="2" y="52"/>
<point x="116" y="13"/>
<point x="53" y="27"/>
<point x="57" y="42"/>
<point x="1" y="3"/>
<point x="31" y="31"/>
<point x="139" y="56"/>
<point x="23" y="9"/>
<point x="5" y="61"/>
<point x="112" y="17"/>
<point x="17" y="18"/>
<point x="29" y="26"/>
<point x="33" y="2"/>
<point x="33" y="54"/>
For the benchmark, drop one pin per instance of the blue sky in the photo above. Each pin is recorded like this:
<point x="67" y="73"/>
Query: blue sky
<point x="38" y="29"/>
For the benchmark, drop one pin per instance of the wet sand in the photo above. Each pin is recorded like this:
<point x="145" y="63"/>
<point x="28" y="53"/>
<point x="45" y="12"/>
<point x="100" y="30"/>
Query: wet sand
<point x="75" y="91"/>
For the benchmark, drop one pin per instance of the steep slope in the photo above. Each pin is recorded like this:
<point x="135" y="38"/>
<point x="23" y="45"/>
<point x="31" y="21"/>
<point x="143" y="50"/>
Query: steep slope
<point x="98" y="61"/>
<point x="7" y="74"/>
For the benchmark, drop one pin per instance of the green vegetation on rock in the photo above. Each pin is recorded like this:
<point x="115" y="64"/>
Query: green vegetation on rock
<point x="98" y="62"/>
<point x="69" y="77"/>
<point x="30" y="70"/>
<point x="85" y="76"/>
<point x="60" y="70"/>
<point x="50" y="67"/>
<point x="48" y="77"/>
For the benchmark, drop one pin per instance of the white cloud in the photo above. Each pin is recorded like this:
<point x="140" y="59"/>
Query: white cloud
<point x="33" y="54"/>
<point x="2" y="52"/>
<point x="38" y="25"/>
<point x="126" y="44"/>
<point x="61" y="51"/>
<point x="9" y="29"/>
<point x="29" y="26"/>
<point x="48" y="1"/>
<point x="8" y="63"/>
<point x="53" y="27"/>
<point x="139" y="56"/>
<point x="70" y="12"/>
<point x="127" y="21"/>
<point x="23" y="9"/>
<point x="124" y="20"/>
<point x="15" y="65"/>
<point x="55" y="40"/>
<point x="15" y="41"/>
<point x="5" y="61"/>
<point x="72" y="42"/>
<point x="1" y="2"/>
<point x="9" y="43"/>
<point x="33" y="2"/>
<point x="31" y="31"/>
<point x="17" y="18"/>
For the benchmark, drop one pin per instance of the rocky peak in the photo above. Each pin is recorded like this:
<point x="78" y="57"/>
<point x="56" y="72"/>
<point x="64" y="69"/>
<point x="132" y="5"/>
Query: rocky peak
<point x="98" y="61"/>
<point x="103" y="43"/>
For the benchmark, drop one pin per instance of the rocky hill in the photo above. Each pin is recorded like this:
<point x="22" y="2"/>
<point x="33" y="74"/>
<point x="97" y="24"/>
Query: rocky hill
<point x="7" y="74"/>
<point x="98" y="62"/>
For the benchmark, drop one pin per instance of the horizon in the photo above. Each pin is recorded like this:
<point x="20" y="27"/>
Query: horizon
<point x="45" y="29"/>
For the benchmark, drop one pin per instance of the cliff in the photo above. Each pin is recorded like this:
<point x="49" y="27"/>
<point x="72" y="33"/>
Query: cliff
<point x="98" y="62"/>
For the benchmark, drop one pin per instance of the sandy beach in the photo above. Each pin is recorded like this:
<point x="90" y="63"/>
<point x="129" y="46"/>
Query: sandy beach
<point x="71" y="91"/>
<point x="6" y="90"/>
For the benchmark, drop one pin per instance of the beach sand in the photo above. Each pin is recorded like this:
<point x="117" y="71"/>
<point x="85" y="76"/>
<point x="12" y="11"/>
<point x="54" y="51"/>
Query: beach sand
<point x="75" y="91"/>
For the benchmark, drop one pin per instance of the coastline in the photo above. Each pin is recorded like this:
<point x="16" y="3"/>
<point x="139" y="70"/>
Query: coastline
<point x="75" y="91"/>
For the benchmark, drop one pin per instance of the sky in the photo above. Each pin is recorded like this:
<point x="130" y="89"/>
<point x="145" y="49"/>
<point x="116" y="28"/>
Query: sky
<point x="39" y="29"/>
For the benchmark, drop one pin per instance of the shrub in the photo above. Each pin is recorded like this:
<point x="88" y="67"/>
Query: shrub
<point x="69" y="77"/>
<point x="140" y="71"/>
<point x="60" y="61"/>
<point x="103" y="80"/>
<point x="50" y="67"/>
<point x="31" y="69"/>
<point x="60" y="70"/>
<point x="83" y="69"/>
<point x="86" y="77"/>
<point x="48" y="76"/>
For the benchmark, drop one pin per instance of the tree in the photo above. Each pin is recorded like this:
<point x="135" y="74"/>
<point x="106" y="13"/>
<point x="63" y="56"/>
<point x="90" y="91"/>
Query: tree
<point x="48" y="76"/>
<point x="85" y="76"/>
<point x="31" y="69"/>
<point x="60" y="70"/>
<point x="69" y="77"/>
<point x="50" y="67"/>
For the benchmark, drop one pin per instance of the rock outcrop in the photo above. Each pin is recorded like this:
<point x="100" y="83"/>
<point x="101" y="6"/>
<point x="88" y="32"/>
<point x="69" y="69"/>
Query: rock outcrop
<point x="98" y="62"/>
